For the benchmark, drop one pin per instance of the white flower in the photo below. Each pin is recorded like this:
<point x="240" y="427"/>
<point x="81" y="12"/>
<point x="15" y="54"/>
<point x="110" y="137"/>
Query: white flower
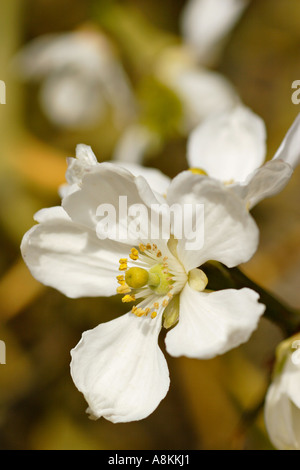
<point x="231" y="147"/>
<point x="203" y="92"/>
<point x="134" y="144"/>
<point x="282" y="406"/>
<point x="81" y="78"/>
<point x="205" y="23"/>
<point x="118" y="365"/>
<point x="184" y="69"/>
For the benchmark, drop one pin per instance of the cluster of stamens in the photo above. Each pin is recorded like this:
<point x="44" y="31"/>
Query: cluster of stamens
<point x="150" y="279"/>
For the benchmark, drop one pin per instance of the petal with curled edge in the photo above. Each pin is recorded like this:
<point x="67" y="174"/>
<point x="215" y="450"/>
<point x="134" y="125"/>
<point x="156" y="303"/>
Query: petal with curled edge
<point x="120" y="369"/>
<point x="289" y="150"/>
<point x="264" y="182"/>
<point x="213" y="323"/>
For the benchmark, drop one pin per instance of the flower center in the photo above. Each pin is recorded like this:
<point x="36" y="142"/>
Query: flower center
<point x="156" y="278"/>
<point x="153" y="278"/>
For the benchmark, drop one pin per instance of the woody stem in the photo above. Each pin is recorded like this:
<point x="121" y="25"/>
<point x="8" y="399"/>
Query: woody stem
<point x="287" y="318"/>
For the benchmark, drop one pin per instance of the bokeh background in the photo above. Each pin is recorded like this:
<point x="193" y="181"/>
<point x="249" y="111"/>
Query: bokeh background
<point x="215" y="404"/>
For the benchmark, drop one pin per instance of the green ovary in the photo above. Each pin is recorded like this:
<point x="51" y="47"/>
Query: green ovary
<point x="163" y="287"/>
<point x="156" y="278"/>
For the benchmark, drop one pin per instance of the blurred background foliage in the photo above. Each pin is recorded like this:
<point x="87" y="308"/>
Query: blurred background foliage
<point x="215" y="404"/>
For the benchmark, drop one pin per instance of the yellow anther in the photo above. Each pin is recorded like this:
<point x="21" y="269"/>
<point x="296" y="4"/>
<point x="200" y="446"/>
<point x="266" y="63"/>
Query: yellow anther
<point x="125" y="289"/>
<point x="139" y="312"/>
<point x="134" y="254"/>
<point x="148" y="246"/>
<point x="134" y="309"/>
<point x="198" y="171"/>
<point x="136" y="277"/>
<point x="154" y="247"/>
<point x="142" y="247"/>
<point x="121" y="279"/>
<point x="128" y="298"/>
<point x="123" y="267"/>
<point x="156" y="305"/>
<point x="158" y="254"/>
<point x="123" y="260"/>
<point x="153" y="314"/>
<point x="147" y="310"/>
<point x="165" y="302"/>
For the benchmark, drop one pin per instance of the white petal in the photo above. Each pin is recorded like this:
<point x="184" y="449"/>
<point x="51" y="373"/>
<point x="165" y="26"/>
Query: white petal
<point x="205" y="22"/>
<point x="85" y="154"/>
<point x="157" y="181"/>
<point x="228" y="146"/>
<point x="291" y="382"/>
<point x="203" y="93"/>
<point x="264" y="182"/>
<point x="289" y="150"/>
<point x="86" y="159"/>
<point x="134" y="144"/>
<point x="37" y="57"/>
<point x="65" y="190"/>
<point x="120" y="369"/>
<point x="72" y="99"/>
<point x="282" y="418"/>
<point x="70" y="257"/>
<point x="230" y="233"/>
<point x="110" y="184"/>
<point x="48" y="215"/>
<point x="83" y="50"/>
<point x="77" y="167"/>
<point x="213" y="323"/>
